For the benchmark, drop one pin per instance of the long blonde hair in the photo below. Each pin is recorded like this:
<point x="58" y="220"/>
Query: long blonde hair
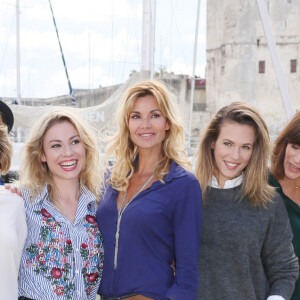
<point x="34" y="173"/>
<point x="5" y="148"/>
<point x="255" y="183"/>
<point x="124" y="151"/>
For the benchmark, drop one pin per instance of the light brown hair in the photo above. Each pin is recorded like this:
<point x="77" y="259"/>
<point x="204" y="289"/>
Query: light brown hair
<point x="255" y="183"/>
<point x="5" y="148"/>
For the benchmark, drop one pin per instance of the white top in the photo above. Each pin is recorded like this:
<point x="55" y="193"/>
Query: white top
<point x="229" y="184"/>
<point x="13" y="231"/>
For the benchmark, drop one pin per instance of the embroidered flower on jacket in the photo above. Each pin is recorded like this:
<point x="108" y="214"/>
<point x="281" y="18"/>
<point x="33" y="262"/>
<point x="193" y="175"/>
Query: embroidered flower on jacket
<point x="53" y="256"/>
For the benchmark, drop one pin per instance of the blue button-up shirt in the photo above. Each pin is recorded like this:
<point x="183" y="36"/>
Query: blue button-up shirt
<point x="159" y="226"/>
<point x="61" y="259"/>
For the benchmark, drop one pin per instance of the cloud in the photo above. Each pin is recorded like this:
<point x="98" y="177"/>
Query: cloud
<point x="180" y="67"/>
<point x="101" y="42"/>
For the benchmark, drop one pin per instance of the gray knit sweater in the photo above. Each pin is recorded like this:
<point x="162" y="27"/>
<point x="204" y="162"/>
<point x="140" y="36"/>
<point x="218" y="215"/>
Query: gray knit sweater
<point x="246" y="252"/>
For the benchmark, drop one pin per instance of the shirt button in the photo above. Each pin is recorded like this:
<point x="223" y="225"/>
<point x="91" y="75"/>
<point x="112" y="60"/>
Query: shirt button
<point x="77" y="271"/>
<point x="78" y="292"/>
<point x="77" y="249"/>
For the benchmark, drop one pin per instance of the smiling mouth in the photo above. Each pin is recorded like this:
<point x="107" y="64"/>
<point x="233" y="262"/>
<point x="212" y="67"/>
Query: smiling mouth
<point x="146" y="134"/>
<point x="294" y="168"/>
<point x="231" y="165"/>
<point x="69" y="165"/>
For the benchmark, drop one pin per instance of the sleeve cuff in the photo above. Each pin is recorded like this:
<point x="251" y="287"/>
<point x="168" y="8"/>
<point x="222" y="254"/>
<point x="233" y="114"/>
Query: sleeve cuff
<point x="275" y="297"/>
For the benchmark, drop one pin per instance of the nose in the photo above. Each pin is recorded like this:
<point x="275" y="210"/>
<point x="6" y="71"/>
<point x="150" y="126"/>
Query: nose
<point x="297" y="158"/>
<point x="235" y="153"/>
<point x="145" y="123"/>
<point x="68" y="150"/>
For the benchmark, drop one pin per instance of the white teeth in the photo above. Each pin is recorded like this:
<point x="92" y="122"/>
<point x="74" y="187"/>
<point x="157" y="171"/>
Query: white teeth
<point x="294" y="167"/>
<point x="146" y="134"/>
<point x="68" y="163"/>
<point x="231" y="164"/>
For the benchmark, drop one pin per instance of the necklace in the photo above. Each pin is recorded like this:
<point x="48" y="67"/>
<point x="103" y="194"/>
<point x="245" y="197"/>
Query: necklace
<point x="120" y="213"/>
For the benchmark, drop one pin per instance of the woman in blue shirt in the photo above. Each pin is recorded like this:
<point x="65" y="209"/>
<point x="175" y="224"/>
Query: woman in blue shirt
<point x="150" y="214"/>
<point x="60" y="178"/>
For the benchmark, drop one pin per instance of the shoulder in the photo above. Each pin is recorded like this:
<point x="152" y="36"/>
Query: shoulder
<point x="277" y="201"/>
<point x="6" y="196"/>
<point x="12" y="206"/>
<point x="276" y="208"/>
<point x="272" y="181"/>
<point x="178" y="172"/>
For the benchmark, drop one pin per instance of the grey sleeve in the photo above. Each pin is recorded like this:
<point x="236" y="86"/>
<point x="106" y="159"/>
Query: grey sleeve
<point x="278" y="257"/>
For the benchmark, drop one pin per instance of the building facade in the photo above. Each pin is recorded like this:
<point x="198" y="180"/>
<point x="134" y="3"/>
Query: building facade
<point x="239" y="66"/>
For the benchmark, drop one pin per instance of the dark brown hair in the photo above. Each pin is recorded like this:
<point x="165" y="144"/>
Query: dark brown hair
<point x="289" y="135"/>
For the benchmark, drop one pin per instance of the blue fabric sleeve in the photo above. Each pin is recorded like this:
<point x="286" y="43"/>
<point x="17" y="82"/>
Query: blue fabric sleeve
<point x="187" y="227"/>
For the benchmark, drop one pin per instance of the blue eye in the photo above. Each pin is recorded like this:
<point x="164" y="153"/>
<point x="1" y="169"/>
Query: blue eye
<point x="155" y="115"/>
<point x="246" y="147"/>
<point x="75" y="142"/>
<point x="135" y="117"/>
<point x="55" y="146"/>
<point x="227" y="144"/>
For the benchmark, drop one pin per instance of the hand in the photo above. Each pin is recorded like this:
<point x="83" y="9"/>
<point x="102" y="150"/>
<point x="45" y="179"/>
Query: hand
<point x="13" y="189"/>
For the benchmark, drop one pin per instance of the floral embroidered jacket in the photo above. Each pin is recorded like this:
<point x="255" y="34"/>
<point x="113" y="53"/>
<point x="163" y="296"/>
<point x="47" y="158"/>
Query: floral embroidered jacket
<point x="61" y="259"/>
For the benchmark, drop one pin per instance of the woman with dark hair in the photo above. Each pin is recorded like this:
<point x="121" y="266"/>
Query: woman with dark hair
<point x="285" y="177"/>
<point x="12" y="216"/>
<point x="246" y="242"/>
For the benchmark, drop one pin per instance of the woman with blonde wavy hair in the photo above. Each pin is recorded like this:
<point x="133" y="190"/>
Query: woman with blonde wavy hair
<point x="60" y="179"/>
<point x="246" y="244"/>
<point x="150" y="214"/>
<point x="12" y="215"/>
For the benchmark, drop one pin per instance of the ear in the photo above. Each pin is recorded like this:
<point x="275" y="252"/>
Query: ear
<point x="212" y="145"/>
<point x="167" y="125"/>
<point x="43" y="158"/>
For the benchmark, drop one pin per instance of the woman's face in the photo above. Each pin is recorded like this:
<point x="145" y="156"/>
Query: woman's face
<point x="291" y="162"/>
<point x="232" y="150"/>
<point x="63" y="152"/>
<point x="147" y="125"/>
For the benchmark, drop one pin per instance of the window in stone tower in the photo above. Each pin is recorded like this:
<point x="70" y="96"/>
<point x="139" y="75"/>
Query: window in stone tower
<point x="293" y="65"/>
<point x="261" y="66"/>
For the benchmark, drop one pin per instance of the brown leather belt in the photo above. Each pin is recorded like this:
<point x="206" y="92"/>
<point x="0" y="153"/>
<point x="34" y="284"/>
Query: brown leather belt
<point x="135" y="297"/>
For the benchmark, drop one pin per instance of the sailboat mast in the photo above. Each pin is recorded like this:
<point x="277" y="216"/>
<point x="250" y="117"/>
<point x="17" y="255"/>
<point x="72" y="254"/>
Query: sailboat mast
<point x="281" y="80"/>
<point x="148" y="36"/>
<point x="18" y="51"/>
<point x="193" y="75"/>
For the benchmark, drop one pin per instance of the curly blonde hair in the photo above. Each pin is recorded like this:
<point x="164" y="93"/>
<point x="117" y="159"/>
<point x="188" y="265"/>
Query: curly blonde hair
<point x="5" y="148"/>
<point x="34" y="173"/>
<point x="255" y="183"/>
<point x="124" y="151"/>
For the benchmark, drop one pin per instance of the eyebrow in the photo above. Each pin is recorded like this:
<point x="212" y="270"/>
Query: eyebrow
<point x="58" y="141"/>
<point x="234" y="143"/>
<point x="137" y="112"/>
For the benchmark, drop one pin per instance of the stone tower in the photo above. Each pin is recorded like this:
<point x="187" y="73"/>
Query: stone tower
<point x="239" y="66"/>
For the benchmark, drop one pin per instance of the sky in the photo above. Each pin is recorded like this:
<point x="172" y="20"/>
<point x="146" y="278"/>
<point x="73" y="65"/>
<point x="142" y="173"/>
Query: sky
<point x="101" y="41"/>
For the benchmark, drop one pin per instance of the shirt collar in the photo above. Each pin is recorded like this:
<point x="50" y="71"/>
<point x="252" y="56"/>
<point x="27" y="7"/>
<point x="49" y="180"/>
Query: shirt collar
<point x="85" y="195"/>
<point x="229" y="184"/>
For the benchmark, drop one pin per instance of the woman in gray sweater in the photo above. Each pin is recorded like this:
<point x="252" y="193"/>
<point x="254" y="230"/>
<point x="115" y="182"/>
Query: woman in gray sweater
<point x="246" y="242"/>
